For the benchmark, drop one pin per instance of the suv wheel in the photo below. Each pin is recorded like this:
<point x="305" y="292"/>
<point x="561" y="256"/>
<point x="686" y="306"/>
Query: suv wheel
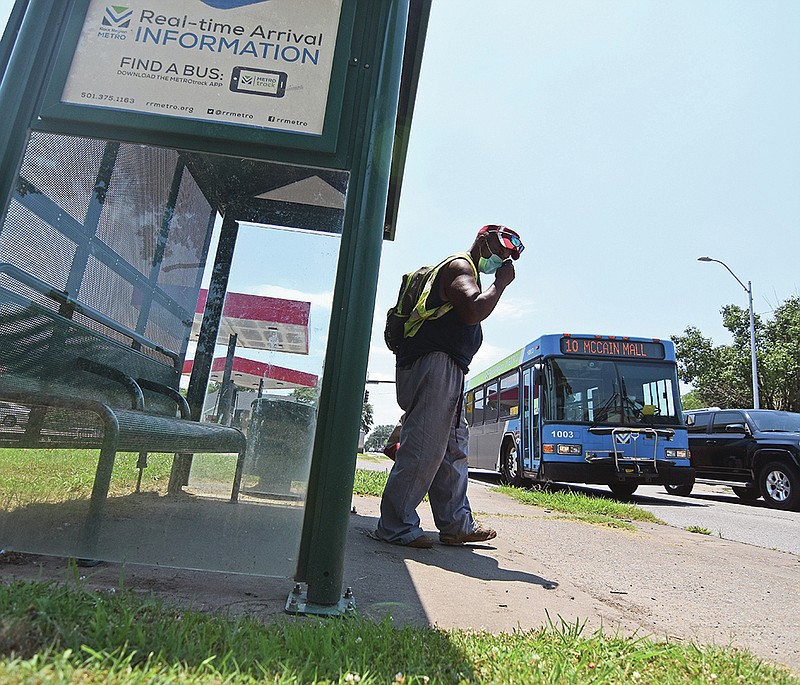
<point x="780" y="485"/>
<point x="510" y="472"/>
<point x="681" y="490"/>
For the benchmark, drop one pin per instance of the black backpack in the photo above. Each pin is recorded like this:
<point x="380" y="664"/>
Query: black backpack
<point x="410" y="289"/>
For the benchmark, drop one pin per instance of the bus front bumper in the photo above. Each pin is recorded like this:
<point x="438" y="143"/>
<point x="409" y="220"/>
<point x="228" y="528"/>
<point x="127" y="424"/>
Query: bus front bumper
<point x="602" y="472"/>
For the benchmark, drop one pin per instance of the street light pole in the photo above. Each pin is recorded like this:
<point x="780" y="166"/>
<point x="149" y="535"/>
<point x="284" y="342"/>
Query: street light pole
<point x="749" y="290"/>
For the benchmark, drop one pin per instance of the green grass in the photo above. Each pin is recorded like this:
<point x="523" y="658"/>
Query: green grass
<point x="580" y="506"/>
<point x="369" y="482"/>
<point x="576" y="505"/>
<point x="59" y="634"/>
<point x="61" y="475"/>
<point x="51" y="476"/>
<point x="699" y="529"/>
<point x="65" y="634"/>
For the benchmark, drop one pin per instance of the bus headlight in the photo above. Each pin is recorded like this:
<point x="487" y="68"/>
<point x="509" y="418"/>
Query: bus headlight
<point x="569" y="449"/>
<point x="676" y="454"/>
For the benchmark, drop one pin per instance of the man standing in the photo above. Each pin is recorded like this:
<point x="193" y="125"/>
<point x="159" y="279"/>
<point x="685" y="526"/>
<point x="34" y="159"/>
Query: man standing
<point x="431" y="366"/>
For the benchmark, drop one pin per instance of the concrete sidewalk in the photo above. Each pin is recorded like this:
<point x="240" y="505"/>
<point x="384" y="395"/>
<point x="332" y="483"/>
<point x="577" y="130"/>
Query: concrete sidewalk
<point x="658" y="580"/>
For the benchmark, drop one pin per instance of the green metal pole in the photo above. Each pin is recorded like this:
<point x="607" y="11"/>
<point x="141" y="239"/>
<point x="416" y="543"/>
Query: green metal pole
<point x="321" y="563"/>
<point x="22" y="83"/>
<point x="10" y="33"/>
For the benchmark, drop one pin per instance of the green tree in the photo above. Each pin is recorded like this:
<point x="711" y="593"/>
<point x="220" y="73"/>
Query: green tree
<point x="366" y="417"/>
<point x="691" y="400"/>
<point x="722" y="375"/>
<point x="377" y="439"/>
<point x="306" y="395"/>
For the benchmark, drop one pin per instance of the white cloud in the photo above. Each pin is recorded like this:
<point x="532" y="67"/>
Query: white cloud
<point x="513" y="309"/>
<point x="486" y="356"/>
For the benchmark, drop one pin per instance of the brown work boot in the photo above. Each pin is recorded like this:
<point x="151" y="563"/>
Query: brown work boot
<point x="477" y="535"/>
<point x="422" y="542"/>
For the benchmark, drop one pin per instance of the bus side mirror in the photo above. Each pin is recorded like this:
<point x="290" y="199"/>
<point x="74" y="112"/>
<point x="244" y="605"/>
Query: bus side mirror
<point x="537" y="374"/>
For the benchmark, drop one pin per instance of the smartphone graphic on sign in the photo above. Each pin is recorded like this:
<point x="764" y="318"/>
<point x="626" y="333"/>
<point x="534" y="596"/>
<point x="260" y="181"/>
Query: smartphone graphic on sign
<point x="258" y="82"/>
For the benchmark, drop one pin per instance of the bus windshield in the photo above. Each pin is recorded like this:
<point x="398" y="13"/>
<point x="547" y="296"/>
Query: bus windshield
<point x="607" y="391"/>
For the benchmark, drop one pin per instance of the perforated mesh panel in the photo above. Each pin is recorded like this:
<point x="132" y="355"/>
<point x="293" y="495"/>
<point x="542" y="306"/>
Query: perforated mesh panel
<point x="164" y="327"/>
<point x="107" y="291"/>
<point x="134" y="206"/>
<point x="186" y="244"/>
<point x="32" y="244"/>
<point x="88" y="218"/>
<point x="100" y="328"/>
<point x="64" y="169"/>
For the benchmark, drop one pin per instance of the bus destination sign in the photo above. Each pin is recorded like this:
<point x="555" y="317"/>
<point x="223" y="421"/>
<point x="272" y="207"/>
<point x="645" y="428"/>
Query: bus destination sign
<point x="616" y="347"/>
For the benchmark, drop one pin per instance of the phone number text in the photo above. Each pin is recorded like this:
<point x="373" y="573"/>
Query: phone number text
<point x="107" y="98"/>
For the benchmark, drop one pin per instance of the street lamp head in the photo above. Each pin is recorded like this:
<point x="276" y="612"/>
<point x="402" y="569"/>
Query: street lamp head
<point x="704" y="259"/>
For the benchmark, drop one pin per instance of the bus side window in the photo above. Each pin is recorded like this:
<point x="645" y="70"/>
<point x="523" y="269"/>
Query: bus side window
<point x="469" y="407"/>
<point x="492" y="403"/>
<point x="478" y="413"/>
<point x="509" y="396"/>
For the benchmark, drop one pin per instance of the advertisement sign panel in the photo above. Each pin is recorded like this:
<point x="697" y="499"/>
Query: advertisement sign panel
<point x="258" y="63"/>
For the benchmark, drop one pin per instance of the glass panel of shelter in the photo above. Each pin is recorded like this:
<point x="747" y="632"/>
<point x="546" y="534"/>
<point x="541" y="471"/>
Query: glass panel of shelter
<point x="115" y="238"/>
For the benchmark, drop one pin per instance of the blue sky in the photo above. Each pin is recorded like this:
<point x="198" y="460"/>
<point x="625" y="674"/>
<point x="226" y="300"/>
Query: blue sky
<point x="622" y="139"/>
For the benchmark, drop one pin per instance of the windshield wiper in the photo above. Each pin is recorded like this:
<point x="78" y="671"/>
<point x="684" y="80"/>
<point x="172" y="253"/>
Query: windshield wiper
<point x="605" y="409"/>
<point x="632" y="404"/>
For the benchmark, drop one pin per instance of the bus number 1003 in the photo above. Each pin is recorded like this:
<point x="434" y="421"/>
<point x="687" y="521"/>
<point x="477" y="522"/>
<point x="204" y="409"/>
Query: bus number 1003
<point x="563" y="434"/>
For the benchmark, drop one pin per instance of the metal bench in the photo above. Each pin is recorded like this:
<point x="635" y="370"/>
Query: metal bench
<point x="69" y="385"/>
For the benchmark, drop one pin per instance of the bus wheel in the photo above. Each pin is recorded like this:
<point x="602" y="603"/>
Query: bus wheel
<point x="623" y="489"/>
<point x="510" y="472"/>
<point x="681" y="490"/>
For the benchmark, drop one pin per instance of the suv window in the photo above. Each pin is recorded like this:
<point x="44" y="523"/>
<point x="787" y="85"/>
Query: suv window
<point x="726" y="418"/>
<point x="700" y="423"/>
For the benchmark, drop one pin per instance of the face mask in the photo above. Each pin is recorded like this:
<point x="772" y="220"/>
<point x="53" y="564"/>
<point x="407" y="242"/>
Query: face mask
<point x="490" y="265"/>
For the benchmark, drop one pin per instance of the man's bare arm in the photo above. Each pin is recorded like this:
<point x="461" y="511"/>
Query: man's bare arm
<point x="458" y="285"/>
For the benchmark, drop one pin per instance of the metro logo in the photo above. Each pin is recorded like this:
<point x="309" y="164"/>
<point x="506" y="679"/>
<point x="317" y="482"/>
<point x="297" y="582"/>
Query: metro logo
<point x="229" y="4"/>
<point x="117" y="16"/>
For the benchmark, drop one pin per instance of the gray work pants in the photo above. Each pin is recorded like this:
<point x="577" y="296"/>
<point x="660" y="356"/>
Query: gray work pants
<point x="432" y="457"/>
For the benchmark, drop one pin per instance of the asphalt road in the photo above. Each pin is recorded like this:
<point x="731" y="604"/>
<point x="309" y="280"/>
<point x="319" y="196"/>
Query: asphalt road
<point x="712" y="507"/>
<point x="717" y="509"/>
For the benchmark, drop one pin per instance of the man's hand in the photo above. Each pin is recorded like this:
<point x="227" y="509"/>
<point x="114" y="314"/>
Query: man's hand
<point x="458" y="286"/>
<point x="505" y="274"/>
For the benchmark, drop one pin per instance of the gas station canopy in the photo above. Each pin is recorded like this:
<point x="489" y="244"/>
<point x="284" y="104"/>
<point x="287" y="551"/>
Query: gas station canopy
<point x="259" y="322"/>
<point x="248" y="374"/>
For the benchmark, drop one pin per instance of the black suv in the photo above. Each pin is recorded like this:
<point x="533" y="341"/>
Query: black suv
<point x="754" y="451"/>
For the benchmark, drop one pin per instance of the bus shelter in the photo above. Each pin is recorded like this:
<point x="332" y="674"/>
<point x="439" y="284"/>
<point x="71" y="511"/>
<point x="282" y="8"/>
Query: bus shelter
<point x="131" y="133"/>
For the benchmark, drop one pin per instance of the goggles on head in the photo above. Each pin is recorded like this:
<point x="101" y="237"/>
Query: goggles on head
<point x="508" y="238"/>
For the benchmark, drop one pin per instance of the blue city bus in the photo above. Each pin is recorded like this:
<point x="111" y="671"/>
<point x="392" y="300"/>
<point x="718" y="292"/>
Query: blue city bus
<point x="581" y="409"/>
